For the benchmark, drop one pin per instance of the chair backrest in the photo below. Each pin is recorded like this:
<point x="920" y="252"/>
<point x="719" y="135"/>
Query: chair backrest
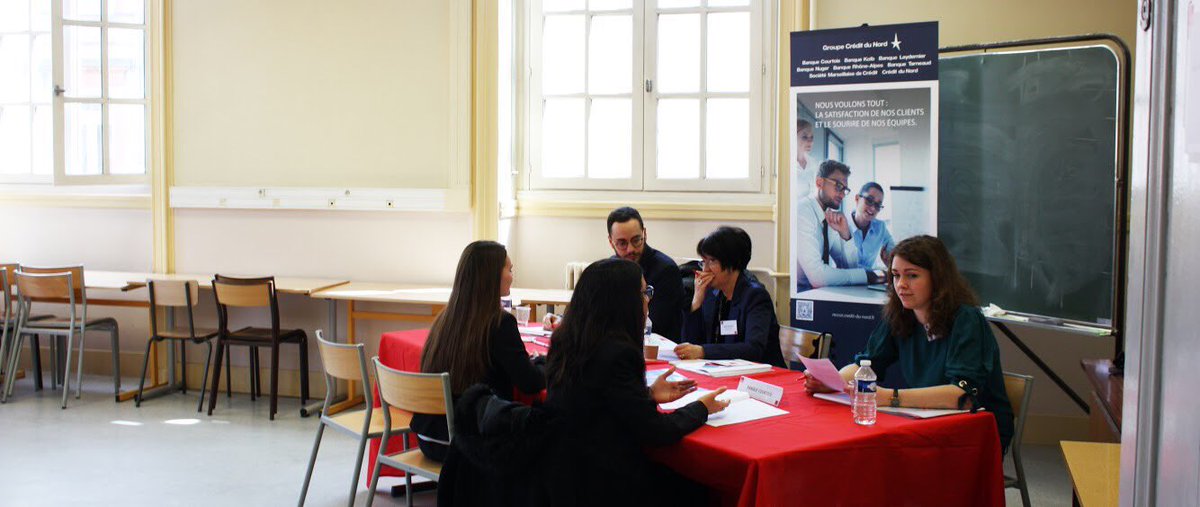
<point x="76" y="277"/>
<point x="7" y="279"/>
<point x="764" y="277"/>
<point x="1018" y="388"/>
<point x="250" y="292"/>
<point x="424" y="393"/>
<point x="343" y="361"/>
<point x="174" y="292"/>
<point x="45" y="286"/>
<point x="795" y="341"/>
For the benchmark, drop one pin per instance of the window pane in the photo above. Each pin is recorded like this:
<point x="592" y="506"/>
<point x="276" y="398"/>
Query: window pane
<point x="609" y="5"/>
<point x="82" y="139"/>
<point x="610" y="54"/>
<point x="81" y="52"/>
<point x="727" y="142"/>
<point x="728" y="3"/>
<point x="562" y="5"/>
<point x="126" y="11"/>
<point x="43" y="139"/>
<point x="678" y="138"/>
<point x="40" y="16"/>
<point x="562" y="138"/>
<point x="14" y="140"/>
<point x="610" y="136"/>
<point x="671" y="4"/>
<point x="679" y="53"/>
<point x="14" y="68"/>
<point x="14" y="15"/>
<point x="42" y="69"/>
<point x="729" y="52"/>
<point x="126" y="63"/>
<point x="81" y="10"/>
<point x="563" y="54"/>
<point x="127" y="139"/>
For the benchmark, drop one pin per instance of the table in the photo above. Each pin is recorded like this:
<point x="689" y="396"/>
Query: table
<point x="1108" y="394"/>
<point x="1095" y="472"/>
<point x="815" y="454"/>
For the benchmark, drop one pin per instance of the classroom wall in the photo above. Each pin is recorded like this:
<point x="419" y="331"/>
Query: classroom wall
<point x="1053" y="415"/>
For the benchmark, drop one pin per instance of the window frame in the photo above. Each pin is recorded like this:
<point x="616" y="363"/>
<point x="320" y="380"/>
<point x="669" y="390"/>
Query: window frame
<point x="643" y="176"/>
<point x="60" y="99"/>
<point x="30" y="177"/>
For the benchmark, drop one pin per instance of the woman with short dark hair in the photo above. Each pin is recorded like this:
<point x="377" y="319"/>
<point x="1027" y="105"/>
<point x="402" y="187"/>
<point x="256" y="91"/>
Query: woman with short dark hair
<point x="933" y="327"/>
<point x="598" y="390"/>
<point x="732" y="316"/>
<point x="475" y="340"/>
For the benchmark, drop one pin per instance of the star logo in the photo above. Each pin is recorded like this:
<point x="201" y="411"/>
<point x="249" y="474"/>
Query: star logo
<point x="896" y="42"/>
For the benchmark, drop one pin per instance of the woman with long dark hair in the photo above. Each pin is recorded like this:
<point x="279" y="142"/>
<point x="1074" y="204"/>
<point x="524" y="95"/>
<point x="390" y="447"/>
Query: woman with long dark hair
<point x="598" y="388"/>
<point x="933" y="327"/>
<point x="475" y="340"/>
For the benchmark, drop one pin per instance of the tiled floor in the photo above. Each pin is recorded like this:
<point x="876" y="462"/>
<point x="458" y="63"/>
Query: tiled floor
<point x="97" y="452"/>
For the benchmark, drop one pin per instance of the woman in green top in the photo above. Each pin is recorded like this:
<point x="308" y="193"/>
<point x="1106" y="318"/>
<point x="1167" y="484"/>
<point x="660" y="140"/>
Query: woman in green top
<point x="932" y="325"/>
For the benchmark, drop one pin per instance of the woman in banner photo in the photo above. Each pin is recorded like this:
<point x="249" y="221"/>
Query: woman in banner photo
<point x="598" y="391"/>
<point x="475" y="340"/>
<point x="803" y="167"/>
<point x="732" y="316"/>
<point x="933" y="326"/>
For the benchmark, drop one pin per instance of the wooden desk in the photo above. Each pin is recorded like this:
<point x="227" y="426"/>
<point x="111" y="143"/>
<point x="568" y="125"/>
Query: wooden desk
<point x="1095" y="472"/>
<point x="1108" y="390"/>
<point x="283" y="284"/>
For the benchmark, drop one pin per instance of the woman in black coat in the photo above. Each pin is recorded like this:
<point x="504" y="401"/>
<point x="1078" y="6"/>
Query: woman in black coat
<point x="597" y="389"/>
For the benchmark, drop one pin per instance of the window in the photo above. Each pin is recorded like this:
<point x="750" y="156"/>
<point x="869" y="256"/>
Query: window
<point x="74" y="102"/>
<point x="647" y="94"/>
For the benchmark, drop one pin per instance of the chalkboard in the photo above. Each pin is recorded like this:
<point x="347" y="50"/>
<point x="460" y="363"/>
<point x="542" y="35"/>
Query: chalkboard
<point x="1027" y="178"/>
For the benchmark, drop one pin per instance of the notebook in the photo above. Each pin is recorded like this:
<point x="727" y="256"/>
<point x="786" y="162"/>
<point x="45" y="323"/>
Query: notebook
<point x="718" y="368"/>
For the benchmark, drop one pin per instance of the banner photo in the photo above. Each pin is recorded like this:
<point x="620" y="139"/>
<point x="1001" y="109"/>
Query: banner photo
<point x="864" y="118"/>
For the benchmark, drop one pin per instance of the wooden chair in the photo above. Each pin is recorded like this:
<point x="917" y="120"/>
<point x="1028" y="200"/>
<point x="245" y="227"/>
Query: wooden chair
<point x="8" y="326"/>
<point x="172" y="294"/>
<point x="1019" y="388"/>
<point x="349" y="362"/>
<point x="61" y="285"/>
<point x="254" y="292"/>
<point x="425" y="393"/>
<point x="796" y="342"/>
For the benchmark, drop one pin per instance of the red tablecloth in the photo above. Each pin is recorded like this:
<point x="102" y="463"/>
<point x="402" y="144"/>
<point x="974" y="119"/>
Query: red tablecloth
<point x="815" y="454"/>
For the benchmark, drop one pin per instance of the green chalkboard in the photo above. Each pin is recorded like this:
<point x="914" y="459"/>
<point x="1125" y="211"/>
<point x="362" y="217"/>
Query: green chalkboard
<point x="1027" y="177"/>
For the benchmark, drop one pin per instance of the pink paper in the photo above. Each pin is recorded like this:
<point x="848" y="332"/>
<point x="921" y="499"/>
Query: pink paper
<point x="825" y="372"/>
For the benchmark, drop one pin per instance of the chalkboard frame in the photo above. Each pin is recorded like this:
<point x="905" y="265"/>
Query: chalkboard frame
<point x="1120" y="242"/>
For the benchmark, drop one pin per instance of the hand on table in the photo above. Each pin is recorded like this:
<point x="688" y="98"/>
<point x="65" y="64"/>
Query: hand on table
<point x="688" y="351"/>
<point x="711" y="402"/>
<point x="665" y="391"/>
<point x="813" y="386"/>
<point x="551" y="321"/>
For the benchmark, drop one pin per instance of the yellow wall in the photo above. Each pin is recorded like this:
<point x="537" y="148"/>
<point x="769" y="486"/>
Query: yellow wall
<point x="313" y="93"/>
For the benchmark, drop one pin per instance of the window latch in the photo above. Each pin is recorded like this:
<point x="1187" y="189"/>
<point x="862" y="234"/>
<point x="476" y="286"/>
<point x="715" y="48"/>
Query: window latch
<point x="58" y="91"/>
<point x="649" y="85"/>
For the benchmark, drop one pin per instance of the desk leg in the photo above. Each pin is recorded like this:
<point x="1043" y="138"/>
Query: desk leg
<point x="331" y="328"/>
<point x="352" y="399"/>
<point x="1044" y="367"/>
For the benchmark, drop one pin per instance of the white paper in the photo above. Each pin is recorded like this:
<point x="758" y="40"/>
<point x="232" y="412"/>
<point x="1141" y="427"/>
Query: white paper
<point x="824" y="371"/>
<point x="718" y="368"/>
<point x="743" y="411"/>
<point x="729" y="395"/>
<point x="536" y="330"/>
<point x="652" y="375"/>
<point x="912" y="413"/>
<point x="770" y="394"/>
<point x="666" y="347"/>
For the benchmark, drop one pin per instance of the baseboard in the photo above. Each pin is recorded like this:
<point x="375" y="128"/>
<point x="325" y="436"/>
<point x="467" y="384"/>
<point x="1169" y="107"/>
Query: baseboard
<point x="1052" y="429"/>
<point x="99" y="362"/>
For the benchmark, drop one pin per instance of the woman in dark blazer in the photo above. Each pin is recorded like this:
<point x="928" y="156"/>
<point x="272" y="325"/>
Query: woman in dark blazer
<point x="597" y="388"/>
<point x="732" y="316"/>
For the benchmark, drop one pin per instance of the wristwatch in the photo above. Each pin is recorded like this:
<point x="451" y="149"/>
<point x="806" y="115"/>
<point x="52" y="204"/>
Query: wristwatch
<point x="895" y="397"/>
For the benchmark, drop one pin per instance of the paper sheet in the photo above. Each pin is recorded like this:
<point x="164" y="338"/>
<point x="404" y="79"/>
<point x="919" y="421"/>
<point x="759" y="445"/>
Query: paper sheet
<point x="741" y="408"/>
<point x="651" y="375"/>
<point x="824" y="371"/>
<point x="912" y="413"/>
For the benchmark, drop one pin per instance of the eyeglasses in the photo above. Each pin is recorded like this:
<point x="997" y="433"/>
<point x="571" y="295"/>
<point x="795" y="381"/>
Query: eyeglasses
<point x="649" y="292"/>
<point x="636" y="242"/>
<point x="842" y="188"/>
<point x="878" y="205"/>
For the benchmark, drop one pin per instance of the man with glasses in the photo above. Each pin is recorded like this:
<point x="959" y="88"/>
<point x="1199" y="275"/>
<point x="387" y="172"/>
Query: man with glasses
<point x="870" y="234"/>
<point x="826" y="254"/>
<point x="627" y="237"/>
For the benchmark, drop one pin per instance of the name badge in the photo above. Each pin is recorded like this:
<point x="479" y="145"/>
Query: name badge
<point x="761" y="391"/>
<point x="728" y="327"/>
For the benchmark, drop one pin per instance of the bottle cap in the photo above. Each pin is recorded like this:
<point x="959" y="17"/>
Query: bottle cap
<point x="864" y="362"/>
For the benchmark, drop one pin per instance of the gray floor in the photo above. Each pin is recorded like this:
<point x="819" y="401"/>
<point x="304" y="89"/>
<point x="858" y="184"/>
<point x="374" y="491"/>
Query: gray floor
<point x="97" y="452"/>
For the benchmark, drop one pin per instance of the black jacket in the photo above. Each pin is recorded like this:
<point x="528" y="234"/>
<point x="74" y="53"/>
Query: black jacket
<point x="757" y="337"/>
<point x="668" y="305"/>
<point x="607" y="417"/>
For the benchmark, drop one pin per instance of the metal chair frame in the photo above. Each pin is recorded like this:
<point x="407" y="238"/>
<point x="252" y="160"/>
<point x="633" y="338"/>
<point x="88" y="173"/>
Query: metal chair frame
<point x="1014" y="447"/>
<point x="155" y="337"/>
<point x="383" y="458"/>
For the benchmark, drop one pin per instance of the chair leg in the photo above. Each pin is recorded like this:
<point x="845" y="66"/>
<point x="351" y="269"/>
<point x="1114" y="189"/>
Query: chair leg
<point x="204" y="379"/>
<point x="115" y="338"/>
<point x="142" y="381"/>
<point x="216" y="378"/>
<point x="252" y="356"/>
<point x="312" y="462"/>
<point x="1022" y="486"/>
<point x="274" y="379"/>
<point x="54" y="379"/>
<point x="66" y="386"/>
<point x="383" y="442"/>
<point x="257" y="373"/>
<point x="78" y="368"/>
<point x="182" y="365"/>
<point x="228" y="370"/>
<point x="304" y="373"/>
<point x="35" y="347"/>
<point x="362" y="448"/>
<point x="13" y="359"/>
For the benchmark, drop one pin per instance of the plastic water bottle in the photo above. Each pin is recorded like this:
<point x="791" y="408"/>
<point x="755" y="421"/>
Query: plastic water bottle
<point x="649" y="329"/>
<point x="864" y="394"/>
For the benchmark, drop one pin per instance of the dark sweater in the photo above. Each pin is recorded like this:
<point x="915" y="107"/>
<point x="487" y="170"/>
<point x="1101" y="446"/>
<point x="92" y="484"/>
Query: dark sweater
<point x="667" y="307"/>
<point x="509" y="369"/>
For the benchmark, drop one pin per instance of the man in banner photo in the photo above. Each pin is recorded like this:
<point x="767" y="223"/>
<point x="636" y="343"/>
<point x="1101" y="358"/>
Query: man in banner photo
<point x="867" y="98"/>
